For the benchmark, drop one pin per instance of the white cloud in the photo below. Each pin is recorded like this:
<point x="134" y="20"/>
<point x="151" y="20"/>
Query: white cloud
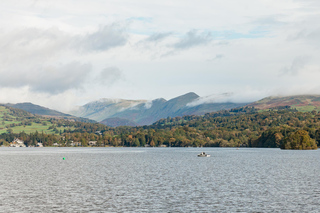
<point x="297" y="66"/>
<point x="193" y="38"/>
<point x="60" y="50"/>
<point x="158" y="37"/>
<point x="148" y="104"/>
<point x="105" y="38"/>
<point x="109" y="76"/>
<point x="48" y="79"/>
<point x="218" y="98"/>
<point x="217" y="57"/>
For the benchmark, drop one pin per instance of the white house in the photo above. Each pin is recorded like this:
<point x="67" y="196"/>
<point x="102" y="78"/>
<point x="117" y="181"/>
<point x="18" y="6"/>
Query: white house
<point x="92" y="143"/>
<point x="75" y="143"/>
<point x="17" y="143"/>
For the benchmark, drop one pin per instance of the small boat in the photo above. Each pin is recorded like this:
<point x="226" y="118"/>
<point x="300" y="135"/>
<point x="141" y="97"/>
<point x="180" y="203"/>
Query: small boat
<point x="203" y="154"/>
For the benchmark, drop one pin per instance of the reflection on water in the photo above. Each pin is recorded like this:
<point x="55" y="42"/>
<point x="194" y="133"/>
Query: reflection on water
<point x="158" y="180"/>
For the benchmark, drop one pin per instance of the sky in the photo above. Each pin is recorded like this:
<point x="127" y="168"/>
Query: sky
<point x="65" y="53"/>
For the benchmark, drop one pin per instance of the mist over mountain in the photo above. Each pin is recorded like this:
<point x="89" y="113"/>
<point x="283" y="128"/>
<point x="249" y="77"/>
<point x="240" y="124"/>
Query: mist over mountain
<point x="142" y="112"/>
<point x="120" y="112"/>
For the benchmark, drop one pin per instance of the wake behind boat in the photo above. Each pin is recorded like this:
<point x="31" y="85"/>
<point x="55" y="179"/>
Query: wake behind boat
<point x="203" y="154"/>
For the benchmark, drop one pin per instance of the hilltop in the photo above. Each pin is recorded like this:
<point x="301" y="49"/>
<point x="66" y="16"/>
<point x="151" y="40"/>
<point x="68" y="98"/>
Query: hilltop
<point x="303" y="103"/>
<point x="36" y="109"/>
<point x="45" y="112"/>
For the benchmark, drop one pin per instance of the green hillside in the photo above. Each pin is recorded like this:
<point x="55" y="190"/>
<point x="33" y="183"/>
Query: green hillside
<point x="46" y="112"/>
<point x="36" y="109"/>
<point x="16" y="121"/>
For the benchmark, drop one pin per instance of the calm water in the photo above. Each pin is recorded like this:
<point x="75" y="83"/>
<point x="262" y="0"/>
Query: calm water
<point x="158" y="180"/>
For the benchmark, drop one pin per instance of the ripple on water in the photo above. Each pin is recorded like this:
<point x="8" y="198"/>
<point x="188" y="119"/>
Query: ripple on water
<point x="158" y="180"/>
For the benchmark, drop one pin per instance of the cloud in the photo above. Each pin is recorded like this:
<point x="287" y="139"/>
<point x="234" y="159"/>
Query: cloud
<point x="192" y="39"/>
<point x="109" y="76"/>
<point x="48" y="61"/>
<point x="54" y="35"/>
<point x="217" y="57"/>
<point x="105" y="38"/>
<point x="311" y="36"/>
<point x="39" y="44"/>
<point x="157" y="37"/>
<point x="148" y="104"/>
<point x="268" y="21"/>
<point x="220" y="98"/>
<point x="296" y="66"/>
<point x="48" y="79"/>
<point x="32" y="45"/>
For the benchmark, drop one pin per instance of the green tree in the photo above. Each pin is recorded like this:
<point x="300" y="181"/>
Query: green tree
<point x="299" y="140"/>
<point x="84" y="142"/>
<point x="136" y="142"/>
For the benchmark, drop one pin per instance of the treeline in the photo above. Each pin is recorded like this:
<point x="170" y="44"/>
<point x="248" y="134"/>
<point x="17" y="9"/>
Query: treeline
<point x="242" y="127"/>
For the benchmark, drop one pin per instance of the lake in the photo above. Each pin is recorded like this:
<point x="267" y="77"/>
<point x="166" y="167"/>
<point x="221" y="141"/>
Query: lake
<point x="158" y="180"/>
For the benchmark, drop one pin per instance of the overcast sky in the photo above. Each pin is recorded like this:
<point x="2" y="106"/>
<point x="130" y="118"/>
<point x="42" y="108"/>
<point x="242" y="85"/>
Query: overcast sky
<point x="63" y="53"/>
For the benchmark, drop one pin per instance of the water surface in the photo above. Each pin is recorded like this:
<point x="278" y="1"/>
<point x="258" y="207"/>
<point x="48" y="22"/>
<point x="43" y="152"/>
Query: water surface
<point x="158" y="180"/>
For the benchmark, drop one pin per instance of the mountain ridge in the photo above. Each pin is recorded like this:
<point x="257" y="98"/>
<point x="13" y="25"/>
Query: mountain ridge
<point x="143" y="112"/>
<point x="121" y="112"/>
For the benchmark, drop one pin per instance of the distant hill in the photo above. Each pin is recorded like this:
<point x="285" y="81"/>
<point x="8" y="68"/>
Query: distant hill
<point x="142" y="112"/>
<point x="303" y="103"/>
<point x="114" y="122"/>
<point x="43" y="111"/>
<point x="16" y="120"/>
<point x="36" y="109"/>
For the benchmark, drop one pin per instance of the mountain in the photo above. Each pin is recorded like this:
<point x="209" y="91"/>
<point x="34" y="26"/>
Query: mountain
<point x="104" y="108"/>
<point x="142" y="112"/>
<point x="43" y="111"/>
<point x="303" y="103"/>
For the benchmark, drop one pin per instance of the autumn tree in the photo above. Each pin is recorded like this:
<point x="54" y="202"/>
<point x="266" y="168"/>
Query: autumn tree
<point x="299" y="140"/>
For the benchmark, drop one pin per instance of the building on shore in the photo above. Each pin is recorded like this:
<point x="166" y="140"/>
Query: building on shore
<point x="75" y="143"/>
<point x="92" y="143"/>
<point x="17" y="143"/>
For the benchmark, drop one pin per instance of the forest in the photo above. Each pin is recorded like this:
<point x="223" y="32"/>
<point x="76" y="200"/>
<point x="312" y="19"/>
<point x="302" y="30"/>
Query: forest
<point x="280" y="127"/>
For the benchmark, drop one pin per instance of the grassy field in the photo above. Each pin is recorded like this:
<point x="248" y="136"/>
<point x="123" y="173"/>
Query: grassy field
<point x="10" y="118"/>
<point x="305" y="108"/>
<point x="33" y="128"/>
